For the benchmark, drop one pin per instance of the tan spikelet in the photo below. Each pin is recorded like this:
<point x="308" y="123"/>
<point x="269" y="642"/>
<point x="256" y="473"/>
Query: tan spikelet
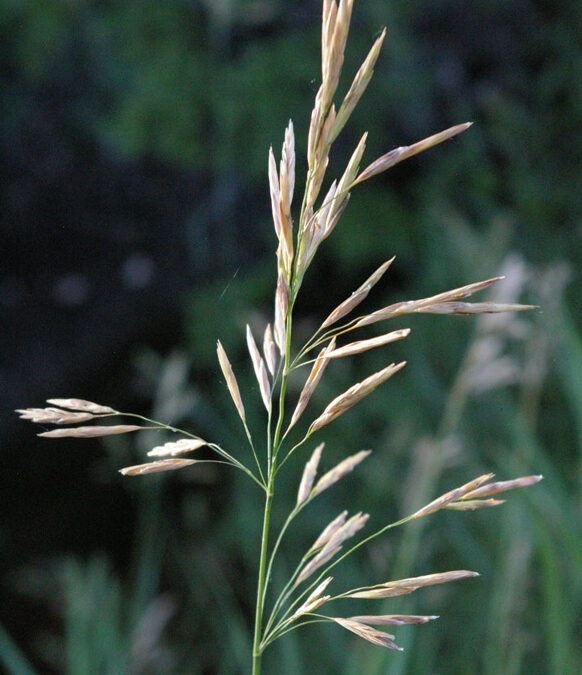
<point x="343" y="186"/>
<point x="80" y="405"/>
<point x="335" y="35"/>
<point x="412" y="306"/>
<point x="357" y="296"/>
<point x="260" y="369"/>
<point x="475" y="308"/>
<point x="339" y="471"/>
<point x="311" y="383"/>
<point x="231" y="382"/>
<point x="473" y="504"/>
<point x="333" y="544"/>
<point x="309" y="475"/>
<point x="177" y="447"/>
<point x="452" y="496"/>
<point x="91" y="432"/>
<point x="368" y="633"/>
<point x="281" y="309"/>
<point x="354" y="395"/>
<point x="270" y="350"/>
<point x="399" y="154"/>
<point x="54" y="416"/>
<point x="358" y="86"/>
<point x="501" y="486"/>
<point x="314" y="600"/>
<point x="329" y="531"/>
<point x="393" y="619"/>
<point x="364" y="345"/>
<point x="156" y="467"/>
<point x="392" y="589"/>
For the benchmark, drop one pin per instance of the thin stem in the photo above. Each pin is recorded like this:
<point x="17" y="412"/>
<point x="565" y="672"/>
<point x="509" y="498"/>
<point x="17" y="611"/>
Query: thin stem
<point x="262" y="581"/>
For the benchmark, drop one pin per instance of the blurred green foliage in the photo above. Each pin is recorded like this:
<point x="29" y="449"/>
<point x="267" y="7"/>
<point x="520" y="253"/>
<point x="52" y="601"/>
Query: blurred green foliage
<point x="211" y="85"/>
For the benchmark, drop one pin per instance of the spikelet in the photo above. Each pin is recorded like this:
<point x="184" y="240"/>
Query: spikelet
<point x="156" y="467"/>
<point x="354" y="395"/>
<point x="392" y="619"/>
<point x="392" y="589"/>
<point x="80" y="405"/>
<point x="339" y="471"/>
<point x="357" y="296"/>
<point x="452" y="496"/>
<point x="501" y="486"/>
<point x="358" y="86"/>
<point x="91" y="432"/>
<point x="370" y="634"/>
<point x="281" y="309"/>
<point x="311" y="383"/>
<point x="424" y="304"/>
<point x="231" y="382"/>
<point x="177" y="447"/>
<point x="314" y="600"/>
<point x="342" y="531"/>
<point x="309" y="475"/>
<point x="399" y="154"/>
<point x="270" y="350"/>
<point x="329" y="531"/>
<point x="260" y="369"/>
<point x="363" y="345"/>
<point x="54" y="416"/>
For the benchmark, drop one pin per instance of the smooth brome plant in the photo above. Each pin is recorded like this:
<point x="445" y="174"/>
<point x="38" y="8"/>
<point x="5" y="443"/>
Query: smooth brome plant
<point x="307" y="597"/>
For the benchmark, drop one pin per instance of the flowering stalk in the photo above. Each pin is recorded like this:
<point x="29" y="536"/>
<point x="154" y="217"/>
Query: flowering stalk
<point x="308" y="588"/>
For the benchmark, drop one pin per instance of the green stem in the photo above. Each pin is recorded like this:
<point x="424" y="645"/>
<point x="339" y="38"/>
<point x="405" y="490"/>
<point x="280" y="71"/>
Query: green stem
<point x="261" y="587"/>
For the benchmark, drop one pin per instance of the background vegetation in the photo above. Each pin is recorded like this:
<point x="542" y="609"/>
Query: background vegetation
<point x="136" y="218"/>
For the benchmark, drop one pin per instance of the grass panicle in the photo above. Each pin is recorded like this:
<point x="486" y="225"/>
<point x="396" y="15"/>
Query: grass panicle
<point x="307" y="590"/>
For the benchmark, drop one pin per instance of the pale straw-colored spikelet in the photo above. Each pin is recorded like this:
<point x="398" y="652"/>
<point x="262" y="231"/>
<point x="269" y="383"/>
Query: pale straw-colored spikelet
<point x="370" y="634"/>
<point x="91" y="432"/>
<point x="452" y="496"/>
<point x="314" y="128"/>
<point x="339" y="471"/>
<point x="309" y="475"/>
<point x="316" y="178"/>
<point x="270" y="350"/>
<point x="81" y="405"/>
<point x="287" y="173"/>
<point x="345" y="182"/>
<point x="275" y="195"/>
<point x="231" y="382"/>
<point x="473" y="504"/>
<point x="354" y="395"/>
<point x="329" y="531"/>
<point x="315" y="563"/>
<point x="393" y="619"/>
<point x="392" y="589"/>
<point x="260" y="369"/>
<point x="177" y="447"/>
<point x="312" y="381"/>
<point x="399" y="154"/>
<point x="314" y="600"/>
<point x="335" y="35"/>
<point x="501" y="486"/>
<point x="357" y="296"/>
<point x="364" y="345"/>
<point x="281" y="309"/>
<point x="54" y="416"/>
<point x="156" y="467"/>
<point x="424" y="304"/>
<point x="358" y="86"/>
<point x="475" y="308"/>
<point x="333" y="545"/>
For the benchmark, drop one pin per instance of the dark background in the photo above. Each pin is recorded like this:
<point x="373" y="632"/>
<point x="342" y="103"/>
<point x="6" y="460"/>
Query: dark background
<point x="135" y="230"/>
